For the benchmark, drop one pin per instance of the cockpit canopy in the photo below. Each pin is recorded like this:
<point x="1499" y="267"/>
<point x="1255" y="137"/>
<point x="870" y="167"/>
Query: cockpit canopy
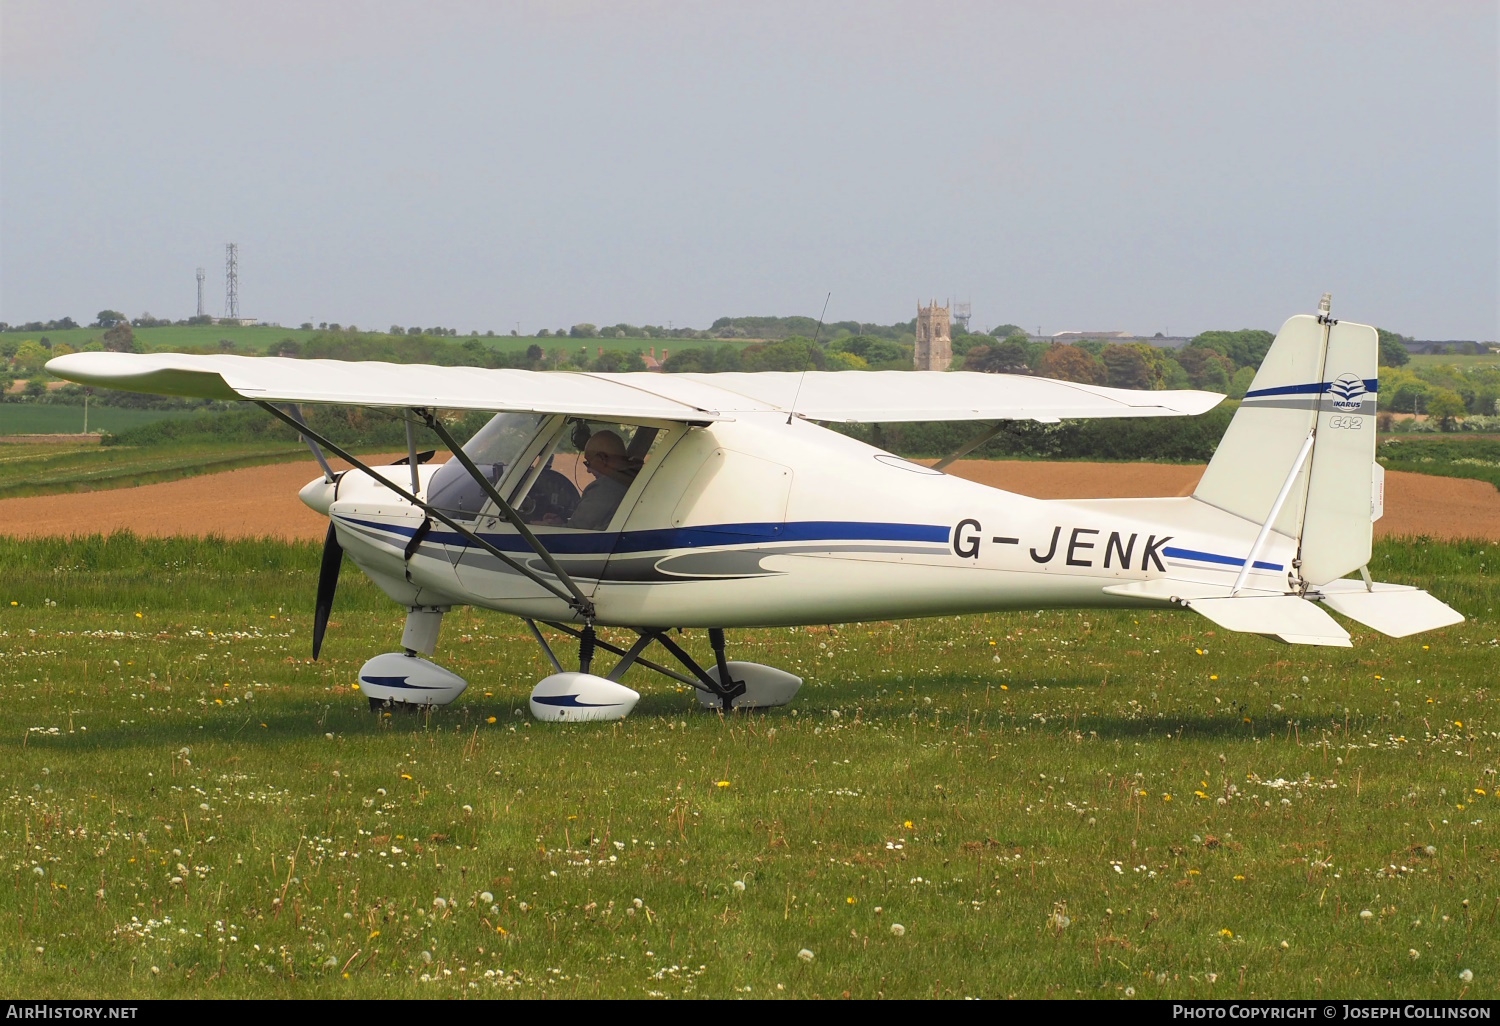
<point x="556" y="471"/>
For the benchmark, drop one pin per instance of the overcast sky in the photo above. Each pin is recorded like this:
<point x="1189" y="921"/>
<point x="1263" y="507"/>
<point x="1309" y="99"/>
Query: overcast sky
<point x="1138" y="166"/>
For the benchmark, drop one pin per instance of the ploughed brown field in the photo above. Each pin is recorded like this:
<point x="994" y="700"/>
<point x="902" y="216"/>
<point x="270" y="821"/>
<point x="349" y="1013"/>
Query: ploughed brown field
<point x="262" y="501"/>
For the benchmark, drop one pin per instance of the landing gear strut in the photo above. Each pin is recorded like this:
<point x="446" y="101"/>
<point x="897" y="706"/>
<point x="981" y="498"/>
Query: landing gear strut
<point x="702" y="680"/>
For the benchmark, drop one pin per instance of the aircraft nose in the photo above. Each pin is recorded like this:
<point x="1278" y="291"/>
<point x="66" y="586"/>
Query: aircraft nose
<point x="317" y="494"/>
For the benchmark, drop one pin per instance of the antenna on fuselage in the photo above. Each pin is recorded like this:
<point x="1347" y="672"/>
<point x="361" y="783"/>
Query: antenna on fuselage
<point x="796" y="395"/>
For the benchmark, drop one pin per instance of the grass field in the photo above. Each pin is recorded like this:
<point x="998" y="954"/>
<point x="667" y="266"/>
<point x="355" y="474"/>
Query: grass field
<point x="50" y="419"/>
<point x="1465" y="360"/>
<point x="1078" y="803"/>
<point x="47" y="469"/>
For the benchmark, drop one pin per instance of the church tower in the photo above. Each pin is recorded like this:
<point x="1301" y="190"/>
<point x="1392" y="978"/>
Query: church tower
<point x="934" y="350"/>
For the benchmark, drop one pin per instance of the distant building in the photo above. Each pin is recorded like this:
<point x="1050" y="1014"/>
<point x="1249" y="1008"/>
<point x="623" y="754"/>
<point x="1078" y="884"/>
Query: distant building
<point x="934" y="349"/>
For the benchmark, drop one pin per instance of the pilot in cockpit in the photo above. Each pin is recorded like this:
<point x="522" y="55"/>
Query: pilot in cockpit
<point x="605" y="458"/>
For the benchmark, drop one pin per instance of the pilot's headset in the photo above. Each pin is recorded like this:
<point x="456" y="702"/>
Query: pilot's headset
<point x="581" y="435"/>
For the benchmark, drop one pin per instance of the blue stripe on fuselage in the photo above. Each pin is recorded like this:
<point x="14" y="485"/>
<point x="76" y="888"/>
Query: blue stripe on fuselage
<point x="1213" y="557"/>
<point x="604" y="543"/>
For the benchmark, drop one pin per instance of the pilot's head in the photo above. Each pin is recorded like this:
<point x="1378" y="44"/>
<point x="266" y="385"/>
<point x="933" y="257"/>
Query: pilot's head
<point x="604" y="456"/>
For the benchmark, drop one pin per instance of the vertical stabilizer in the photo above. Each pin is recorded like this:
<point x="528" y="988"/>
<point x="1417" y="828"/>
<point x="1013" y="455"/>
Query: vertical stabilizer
<point x="1268" y="430"/>
<point x="1316" y="383"/>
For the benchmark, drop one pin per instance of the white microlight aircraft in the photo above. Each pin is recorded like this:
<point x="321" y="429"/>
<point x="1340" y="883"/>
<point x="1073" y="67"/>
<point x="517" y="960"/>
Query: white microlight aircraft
<point x="659" y="501"/>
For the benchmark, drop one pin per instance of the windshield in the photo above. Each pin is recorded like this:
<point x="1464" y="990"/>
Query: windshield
<point x="493" y="448"/>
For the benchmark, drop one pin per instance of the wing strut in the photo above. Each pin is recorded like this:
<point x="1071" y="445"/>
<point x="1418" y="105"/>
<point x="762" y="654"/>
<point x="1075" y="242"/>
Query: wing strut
<point x="579" y="602"/>
<point x="970" y="445"/>
<point x="328" y="474"/>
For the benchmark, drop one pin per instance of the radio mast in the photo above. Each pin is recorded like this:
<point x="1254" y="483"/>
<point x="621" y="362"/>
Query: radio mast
<point x="231" y="281"/>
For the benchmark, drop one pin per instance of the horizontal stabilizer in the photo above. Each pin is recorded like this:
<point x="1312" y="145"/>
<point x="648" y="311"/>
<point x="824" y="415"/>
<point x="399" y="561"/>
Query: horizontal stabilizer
<point x="1165" y="589"/>
<point x="1288" y="617"/>
<point x="1392" y="609"/>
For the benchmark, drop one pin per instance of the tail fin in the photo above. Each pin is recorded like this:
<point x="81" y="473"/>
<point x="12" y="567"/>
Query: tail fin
<point x="1317" y="383"/>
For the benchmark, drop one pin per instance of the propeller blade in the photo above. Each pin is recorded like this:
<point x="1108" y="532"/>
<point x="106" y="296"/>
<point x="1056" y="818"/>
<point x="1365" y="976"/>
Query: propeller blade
<point x="328" y="582"/>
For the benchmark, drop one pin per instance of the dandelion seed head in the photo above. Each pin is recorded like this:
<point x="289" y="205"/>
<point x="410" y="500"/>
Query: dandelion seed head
<point x="1366" y="914"/>
<point x="1467" y="976"/>
<point x="486" y="897"/>
<point x="897" y="930"/>
<point x="739" y="885"/>
<point x="805" y="955"/>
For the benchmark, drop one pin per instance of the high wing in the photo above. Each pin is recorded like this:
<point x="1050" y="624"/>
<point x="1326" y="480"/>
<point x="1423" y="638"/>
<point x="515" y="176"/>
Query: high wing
<point x="841" y="396"/>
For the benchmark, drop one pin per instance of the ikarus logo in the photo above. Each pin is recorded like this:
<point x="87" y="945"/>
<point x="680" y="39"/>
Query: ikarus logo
<point x="1348" y="392"/>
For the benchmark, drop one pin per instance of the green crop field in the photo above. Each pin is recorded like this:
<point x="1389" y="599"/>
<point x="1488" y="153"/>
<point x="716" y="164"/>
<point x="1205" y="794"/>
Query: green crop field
<point x="53" y="419"/>
<point x="45" y="469"/>
<point x="1464" y="360"/>
<point x="1092" y="803"/>
<point x="257" y="338"/>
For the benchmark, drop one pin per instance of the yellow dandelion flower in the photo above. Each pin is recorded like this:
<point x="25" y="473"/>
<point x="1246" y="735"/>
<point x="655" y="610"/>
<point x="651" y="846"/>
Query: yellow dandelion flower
<point x="907" y="824"/>
<point x="262" y="724"/>
<point x="1213" y="676"/>
<point x="137" y="616"/>
<point x="14" y="602"/>
<point x="1200" y="794"/>
<point x="722" y="783"/>
<point x="373" y="935"/>
<point x="489" y="719"/>
<point x="1193" y="872"/>
<point x="1458" y="723"/>
<point x="502" y="931"/>
<point x="352" y="687"/>
<point x="1166" y="797"/>
<point x="1004" y="688"/>
<point x="1479" y="791"/>
<point x="849" y="900"/>
<point x="1239" y="877"/>
<point x="1227" y="934"/>
<point x="406" y="776"/>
